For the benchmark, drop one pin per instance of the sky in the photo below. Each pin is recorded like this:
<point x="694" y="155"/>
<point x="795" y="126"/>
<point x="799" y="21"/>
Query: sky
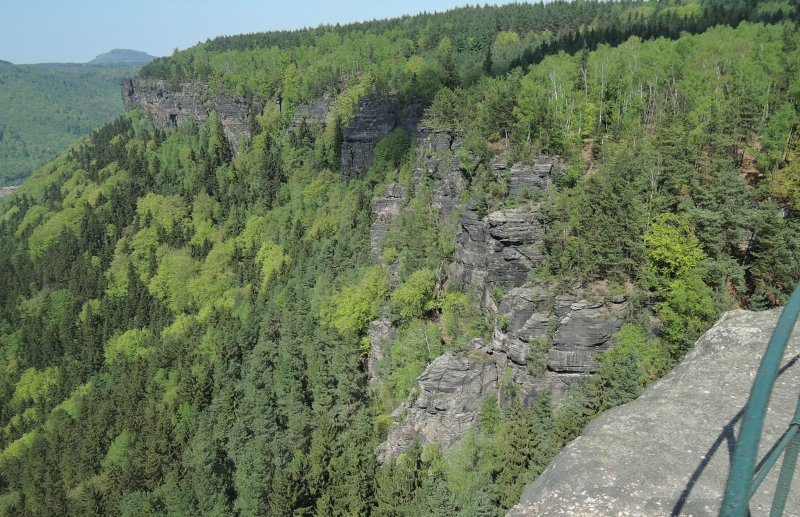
<point x="57" y="31"/>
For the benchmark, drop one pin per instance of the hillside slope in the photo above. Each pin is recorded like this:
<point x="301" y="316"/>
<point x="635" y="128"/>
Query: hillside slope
<point x="392" y="267"/>
<point x="46" y="108"/>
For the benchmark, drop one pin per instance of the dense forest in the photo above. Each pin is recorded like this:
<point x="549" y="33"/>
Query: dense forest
<point x="183" y="328"/>
<point x="46" y="108"/>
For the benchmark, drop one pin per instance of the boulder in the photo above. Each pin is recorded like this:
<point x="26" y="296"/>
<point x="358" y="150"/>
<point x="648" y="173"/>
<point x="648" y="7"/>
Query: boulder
<point x="668" y="452"/>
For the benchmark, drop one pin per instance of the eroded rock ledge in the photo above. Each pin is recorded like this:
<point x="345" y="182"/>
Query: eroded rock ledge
<point x="169" y="105"/>
<point x="668" y="452"/>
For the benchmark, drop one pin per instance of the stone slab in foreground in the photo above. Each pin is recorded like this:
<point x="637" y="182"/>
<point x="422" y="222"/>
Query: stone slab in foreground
<point x="668" y="452"/>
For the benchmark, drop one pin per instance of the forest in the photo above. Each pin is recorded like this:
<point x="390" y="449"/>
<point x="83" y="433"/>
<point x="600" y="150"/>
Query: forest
<point x="184" y="327"/>
<point x="46" y="108"/>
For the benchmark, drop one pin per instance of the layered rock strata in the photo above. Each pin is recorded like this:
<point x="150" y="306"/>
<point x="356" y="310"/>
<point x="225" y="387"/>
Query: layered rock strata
<point x="453" y="387"/>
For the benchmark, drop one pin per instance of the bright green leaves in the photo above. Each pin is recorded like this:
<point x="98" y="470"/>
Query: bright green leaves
<point x="672" y="249"/>
<point x="687" y="310"/>
<point x="417" y="295"/>
<point x="36" y="386"/>
<point x="356" y="305"/>
<point x="128" y="346"/>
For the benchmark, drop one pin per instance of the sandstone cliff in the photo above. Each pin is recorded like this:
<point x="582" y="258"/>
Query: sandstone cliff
<point x="169" y="105"/>
<point x="668" y="452"/>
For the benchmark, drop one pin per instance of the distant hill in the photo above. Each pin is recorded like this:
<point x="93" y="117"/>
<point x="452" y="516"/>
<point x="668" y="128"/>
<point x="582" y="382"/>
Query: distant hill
<point x="45" y="108"/>
<point x="122" y="57"/>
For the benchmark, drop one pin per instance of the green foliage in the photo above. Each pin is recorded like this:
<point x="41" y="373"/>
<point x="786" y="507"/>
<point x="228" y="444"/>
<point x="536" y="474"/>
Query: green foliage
<point x="672" y="249"/>
<point x="687" y="310"/>
<point x="417" y="295"/>
<point x="183" y="329"/>
<point x="44" y="109"/>
<point x="356" y="305"/>
<point x="130" y="345"/>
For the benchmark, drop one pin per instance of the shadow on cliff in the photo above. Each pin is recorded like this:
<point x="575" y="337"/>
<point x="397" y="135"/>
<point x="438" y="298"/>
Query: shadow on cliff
<point x="727" y="437"/>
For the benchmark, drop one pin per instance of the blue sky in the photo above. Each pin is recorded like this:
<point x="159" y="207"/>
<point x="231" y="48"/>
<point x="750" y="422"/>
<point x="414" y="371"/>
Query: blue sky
<point x="47" y="31"/>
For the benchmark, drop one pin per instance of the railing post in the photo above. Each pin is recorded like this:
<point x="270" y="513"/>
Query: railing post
<point x="740" y="477"/>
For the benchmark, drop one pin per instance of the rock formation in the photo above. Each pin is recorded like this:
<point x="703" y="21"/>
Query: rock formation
<point x="436" y="161"/>
<point x="498" y="249"/>
<point x="381" y="334"/>
<point x="377" y="116"/>
<point x="168" y="105"/>
<point x="668" y="452"/>
<point x="314" y="113"/>
<point x="451" y="391"/>
<point x="453" y="387"/>
<point x="384" y="209"/>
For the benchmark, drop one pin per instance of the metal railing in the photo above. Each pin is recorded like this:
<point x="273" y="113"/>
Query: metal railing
<point x="743" y="481"/>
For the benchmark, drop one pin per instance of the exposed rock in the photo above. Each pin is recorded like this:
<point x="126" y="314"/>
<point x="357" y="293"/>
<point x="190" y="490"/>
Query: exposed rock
<point x="668" y="452"/>
<point x="377" y="116"/>
<point x="381" y="333"/>
<point x="499" y="249"/>
<point x="7" y="191"/>
<point x="437" y="161"/>
<point x="314" y="112"/>
<point x="581" y="335"/>
<point x="452" y="389"/>
<point x="384" y="209"/>
<point x="169" y="106"/>
<point x="526" y="178"/>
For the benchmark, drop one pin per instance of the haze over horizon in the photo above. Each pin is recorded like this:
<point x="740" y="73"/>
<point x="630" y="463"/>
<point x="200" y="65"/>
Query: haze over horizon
<point x="76" y="32"/>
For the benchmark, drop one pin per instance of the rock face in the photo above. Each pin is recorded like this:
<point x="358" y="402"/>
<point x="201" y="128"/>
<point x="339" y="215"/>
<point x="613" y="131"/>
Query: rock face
<point x="668" y="452"/>
<point x="381" y="333"/>
<point x="314" y="113"/>
<point x="527" y="178"/>
<point x="451" y="391"/>
<point x="499" y="249"/>
<point x="453" y="387"/>
<point x="384" y="209"/>
<point x="168" y="106"/>
<point x="437" y="161"/>
<point x="377" y="116"/>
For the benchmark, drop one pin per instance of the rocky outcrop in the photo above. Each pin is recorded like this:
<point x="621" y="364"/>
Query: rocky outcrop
<point x="384" y="209"/>
<point x="451" y="391"/>
<point x="524" y="179"/>
<point x="377" y="116"/>
<point x="381" y="334"/>
<point x="437" y="162"/>
<point x="314" y="113"/>
<point x="168" y="105"/>
<point x="498" y="249"/>
<point x="453" y="387"/>
<point x="7" y="191"/>
<point x="668" y="452"/>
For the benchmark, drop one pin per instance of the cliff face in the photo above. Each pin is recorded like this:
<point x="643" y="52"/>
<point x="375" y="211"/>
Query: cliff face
<point x="668" y="452"/>
<point x="377" y="116"/>
<point x="168" y="106"/>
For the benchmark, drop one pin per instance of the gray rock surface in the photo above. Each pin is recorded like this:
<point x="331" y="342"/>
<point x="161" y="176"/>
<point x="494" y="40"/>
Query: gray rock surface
<point x="451" y="391"/>
<point x="314" y="112"/>
<point x="436" y="161"/>
<point x="668" y="452"/>
<point x="381" y="334"/>
<point x="377" y="116"/>
<point x="7" y="191"/>
<point x="169" y="106"/>
<point x="528" y="178"/>
<point x="384" y="209"/>
<point x="499" y="249"/>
